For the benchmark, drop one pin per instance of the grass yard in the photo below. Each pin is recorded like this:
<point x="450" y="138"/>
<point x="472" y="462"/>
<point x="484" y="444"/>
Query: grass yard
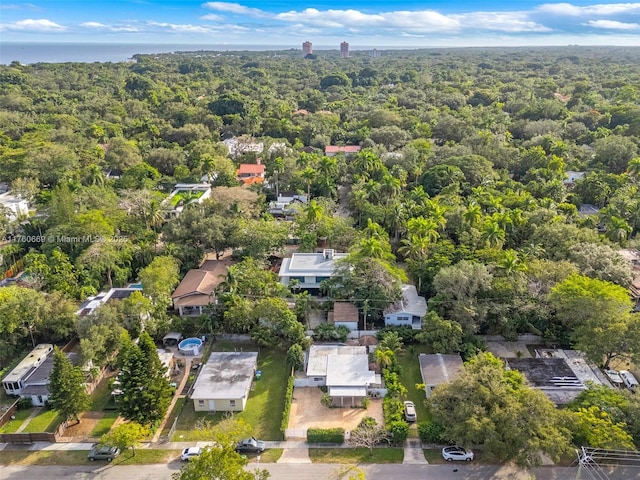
<point x="264" y="406"/>
<point x="104" y="424"/>
<point x="177" y="408"/>
<point x="410" y="375"/>
<point x="434" y="455"/>
<point x="356" y="455"/>
<point x="12" y="425"/>
<point x="271" y="455"/>
<point x="79" y="457"/>
<point x="100" y="396"/>
<point x="45" y="421"/>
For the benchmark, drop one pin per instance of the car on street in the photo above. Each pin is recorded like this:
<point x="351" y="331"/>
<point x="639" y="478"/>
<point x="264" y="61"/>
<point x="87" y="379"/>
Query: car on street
<point x="103" y="452"/>
<point x="410" y="411"/>
<point x="250" y="445"/>
<point x="615" y="378"/>
<point x="189" y="453"/>
<point x="457" y="453"/>
<point x="629" y="380"/>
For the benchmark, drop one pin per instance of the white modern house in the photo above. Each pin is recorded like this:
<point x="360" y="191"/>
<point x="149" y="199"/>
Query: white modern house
<point x="224" y="382"/>
<point x="309" y="269"/>
<point x="409" y="310"/>
<point x="344" y="370"/>
<point x="13" y="206"/>
<point x="185" y="193"/>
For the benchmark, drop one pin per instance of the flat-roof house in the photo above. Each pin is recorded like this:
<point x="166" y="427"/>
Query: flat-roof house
<point x="333" y="150"/>
<point x="344" y="370"/>
<point x="224" y="382"/>
<point x="573" y="177"/>
<point x="438" y="368"/>
<point x="13" y="206"/>
<point x="309" y="269"/>
<point x="184" y="194"/>
<point x="344" y="314"/>
<point x="30" y="378"/>
<point x="409" y="310"/>
<point x="559" y="374"/>
<point x="287" y="205"/>
<point x="92" y="303"/>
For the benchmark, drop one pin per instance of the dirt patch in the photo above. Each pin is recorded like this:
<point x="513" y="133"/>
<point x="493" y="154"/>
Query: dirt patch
<point x="307" y="411"/>
<point x="88" y="421"/>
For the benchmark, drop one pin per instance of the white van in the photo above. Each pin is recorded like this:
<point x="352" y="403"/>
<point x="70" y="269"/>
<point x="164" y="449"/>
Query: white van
<point x="629" y="380"/>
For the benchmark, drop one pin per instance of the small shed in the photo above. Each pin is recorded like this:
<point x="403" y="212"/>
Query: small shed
<point x="344" y="313"/>
<point x="171" y="339"/>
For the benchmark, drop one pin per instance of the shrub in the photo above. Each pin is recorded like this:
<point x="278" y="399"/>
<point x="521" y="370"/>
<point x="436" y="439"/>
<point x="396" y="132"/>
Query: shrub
<point x="24" y="403"/>
<point x="328" y="332"/>
<point x="326" y="400"/>
<point x="399" y="431"/>
<point x="430" y="432"/>
<point x="325" y="435"/>
<point x="287" y="405"/>
<point x="406" y="333"/>
<point x="366" y="401"/>
<point x="367" y="422"/>
<point x="393" y="410"/>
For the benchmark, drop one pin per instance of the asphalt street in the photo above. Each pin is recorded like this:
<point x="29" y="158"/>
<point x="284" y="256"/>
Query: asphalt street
<point x="311" y="472"/>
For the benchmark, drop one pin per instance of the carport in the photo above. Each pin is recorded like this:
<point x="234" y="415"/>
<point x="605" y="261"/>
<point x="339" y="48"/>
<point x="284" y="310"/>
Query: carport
<point x="171" y="339"/>
<point x="352" y="395"/>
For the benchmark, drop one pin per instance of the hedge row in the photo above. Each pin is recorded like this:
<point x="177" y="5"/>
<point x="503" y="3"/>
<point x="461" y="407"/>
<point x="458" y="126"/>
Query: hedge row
<point x="287" y="406"/>
<point x="325" y="435"/>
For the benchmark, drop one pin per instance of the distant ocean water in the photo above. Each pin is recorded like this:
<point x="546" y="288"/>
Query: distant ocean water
<point x="26" y="53"/>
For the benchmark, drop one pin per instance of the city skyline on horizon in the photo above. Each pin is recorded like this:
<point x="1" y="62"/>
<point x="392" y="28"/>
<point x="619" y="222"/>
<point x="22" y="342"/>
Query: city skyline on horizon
<point x="403" y="24"/>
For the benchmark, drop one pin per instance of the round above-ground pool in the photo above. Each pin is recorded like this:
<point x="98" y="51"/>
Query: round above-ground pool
<point x="190" y="346"/>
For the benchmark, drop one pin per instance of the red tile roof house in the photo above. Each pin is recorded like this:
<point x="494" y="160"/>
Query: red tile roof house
<point x="332" y="150"/>
<point x="249" y="173"/>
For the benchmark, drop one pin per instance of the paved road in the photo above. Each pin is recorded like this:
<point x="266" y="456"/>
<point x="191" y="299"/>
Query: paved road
<point x="308" y="472"/>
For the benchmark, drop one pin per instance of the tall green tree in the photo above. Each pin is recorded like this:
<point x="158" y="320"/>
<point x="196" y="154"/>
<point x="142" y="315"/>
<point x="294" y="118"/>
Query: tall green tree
<point x="159" y="279"/>
<point x="598" y="315"/>
<point x="126" y="436"/>
<point x="67" y="391"/>
<point x="146" y="392"/>
<point x="220" y="462"/>
<point x="489" y="406"/>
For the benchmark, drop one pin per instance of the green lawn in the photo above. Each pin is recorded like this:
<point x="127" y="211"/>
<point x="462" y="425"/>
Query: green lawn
<point x="433" y="455"/>
<point x="271" y="455"/>
<point x="12" y="425"/>
<point x="45" y="421"/>
<point x="356" y="455"/>
<point x="100" y="396"/>
<point x="77" y="457"/>
<point x="410" y="375"/>
<point x="264" y="406"/>
<point x="104" y="424"/>
<point x="174" y="413"/>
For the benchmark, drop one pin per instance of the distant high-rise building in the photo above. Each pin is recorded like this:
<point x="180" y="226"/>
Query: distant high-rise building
<point x="344" y="50"/>
<point x="307" y="49"/>
<point x="375" y="53"/>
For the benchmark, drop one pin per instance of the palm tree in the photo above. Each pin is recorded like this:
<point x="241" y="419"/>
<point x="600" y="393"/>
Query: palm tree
<point x="633" y="169"/>
<point x="308" y="174"/>
<point x="493" y="234"/>
<point x="95" y="175"/>
<point x="384" y="357"/>
<point x="358" y="200"/>
<point x="511" y="262"/>
<point x="617" y="229"/>
<point x="313" y="212"/>
<point x="473" y="214"/>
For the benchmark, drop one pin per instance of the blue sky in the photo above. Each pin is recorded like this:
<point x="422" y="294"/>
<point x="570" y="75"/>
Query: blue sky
<point x="399" y="23"/>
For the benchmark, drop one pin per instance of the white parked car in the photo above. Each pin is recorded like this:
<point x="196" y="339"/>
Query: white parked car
<point x="615" y="378"/>
<point x="457" y="453"/>
<point x="629" y="380"/>
<point x="189" y="453"/>
<point x="410" y="411"/>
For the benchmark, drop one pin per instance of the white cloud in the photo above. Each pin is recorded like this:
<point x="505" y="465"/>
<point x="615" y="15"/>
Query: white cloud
<point x="568" y="9"/>
<point x="94" y="25"/>
<point x="612" y="24"/>
<point x="14" y="6"/>
<point x="212" y="17"/>
<point x="500" y="21"/>
<point x="235" y="8"/>
<point x="205" y="29"/>
<point x="33" y="25"/>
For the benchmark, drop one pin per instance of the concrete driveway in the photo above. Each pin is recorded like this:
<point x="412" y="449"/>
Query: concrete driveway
<point x="307" y="411"/>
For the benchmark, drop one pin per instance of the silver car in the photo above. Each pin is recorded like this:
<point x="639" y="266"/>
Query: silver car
<point x="410" y="411"/>
<point x="457" y="453"/>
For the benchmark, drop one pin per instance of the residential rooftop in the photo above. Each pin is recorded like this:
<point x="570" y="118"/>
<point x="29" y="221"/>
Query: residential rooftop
<point x="317" y="362"/>
<point x="29" y="363"/>
<point x="226" y="375"/>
